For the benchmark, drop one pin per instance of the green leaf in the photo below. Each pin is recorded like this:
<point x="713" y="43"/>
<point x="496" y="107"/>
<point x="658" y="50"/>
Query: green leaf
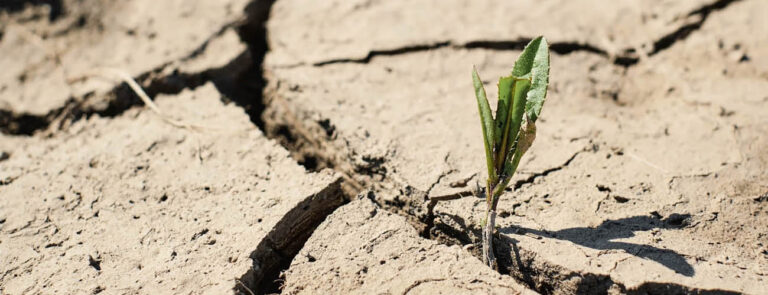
<point x="534" y="61"/>
<point x="486" y="120"/>
<point x="503" y="107"/>
<point x="518" y="92"/>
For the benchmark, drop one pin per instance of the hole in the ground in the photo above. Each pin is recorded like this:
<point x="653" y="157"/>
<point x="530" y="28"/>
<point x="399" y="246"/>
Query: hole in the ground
<point x="284" y="133"/>
<point x="327" y="126"/>
<point x="309" y="163"/>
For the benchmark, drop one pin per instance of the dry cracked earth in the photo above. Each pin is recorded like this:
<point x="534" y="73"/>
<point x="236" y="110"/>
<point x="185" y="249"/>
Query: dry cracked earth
<point x="300" y="146"/>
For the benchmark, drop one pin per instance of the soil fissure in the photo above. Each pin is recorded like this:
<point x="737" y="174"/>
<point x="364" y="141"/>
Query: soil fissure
<point x="274" y="253"/>
<point x="700" y="15"/>
<point x="626" y="57"/>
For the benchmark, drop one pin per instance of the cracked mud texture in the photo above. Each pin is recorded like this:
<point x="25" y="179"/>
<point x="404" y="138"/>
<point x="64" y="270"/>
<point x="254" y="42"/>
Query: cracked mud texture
<point x="642" y="179"/>
<point x="135" y="205"/>
<point x="649" y="174"/>
<point x="352" y="30"/>
<point x="138" y="37"/>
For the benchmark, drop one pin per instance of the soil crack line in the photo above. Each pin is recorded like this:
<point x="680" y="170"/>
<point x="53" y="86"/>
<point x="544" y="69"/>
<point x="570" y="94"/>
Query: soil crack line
<point x="386" y="52"/>
<point x="124" y="95"/>
<point x="531" y="178"/>
<point x="562" y="48"/>
<point x="274" y="253"/>
<point x="626" y="58"/>
<point x="685" y="30"/>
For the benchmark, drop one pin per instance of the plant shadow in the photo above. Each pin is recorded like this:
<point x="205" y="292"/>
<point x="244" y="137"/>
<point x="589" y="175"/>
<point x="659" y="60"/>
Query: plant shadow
<point x="601" y="237"/>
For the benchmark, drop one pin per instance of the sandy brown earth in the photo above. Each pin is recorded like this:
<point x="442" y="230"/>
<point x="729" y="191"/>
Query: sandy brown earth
<point x="298" y="143"/>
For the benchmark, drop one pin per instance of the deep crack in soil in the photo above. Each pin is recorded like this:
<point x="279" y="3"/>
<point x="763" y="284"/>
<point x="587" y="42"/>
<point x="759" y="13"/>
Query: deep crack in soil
<point x="275" y="252"/>
<point x="121" y="98"/>
<point x="700" y="16"/>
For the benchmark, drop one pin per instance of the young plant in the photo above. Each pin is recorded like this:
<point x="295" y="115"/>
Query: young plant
<point x="509" y="134"/>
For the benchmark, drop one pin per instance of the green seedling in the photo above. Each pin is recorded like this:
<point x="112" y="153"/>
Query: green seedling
<point x="508" y="135"/>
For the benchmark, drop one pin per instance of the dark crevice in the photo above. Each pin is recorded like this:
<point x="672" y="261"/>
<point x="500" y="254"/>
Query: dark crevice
<point x="626" y="61"/>
<point x="312" y="144"/>
<point x="21" y="124"/>
<point x="245" y="87"/>
<point x="309" y="145"/>
<point x="518" y="44"/>
<point x="12" y="6"/>
<point x="386" y="52"/>
<point x="228" y="80"/>
<point x="122" y="97"/>
<point x="561" y="48"/>
<point x="302" y="150"/>
<point x="684" y="31"/>
<point x="273" y="255"/>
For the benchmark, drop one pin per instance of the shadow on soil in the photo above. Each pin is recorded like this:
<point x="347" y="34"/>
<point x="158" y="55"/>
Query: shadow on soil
<point x="526" y="267"/>
<point x="601" y="237"/>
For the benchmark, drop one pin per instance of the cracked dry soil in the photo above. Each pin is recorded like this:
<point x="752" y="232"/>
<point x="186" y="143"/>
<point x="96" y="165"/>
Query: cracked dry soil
<point x="325" y="130"/>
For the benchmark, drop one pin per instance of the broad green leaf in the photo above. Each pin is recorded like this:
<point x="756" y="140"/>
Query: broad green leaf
<point x="486" y="121"/>
<point x="520" y="87"/>
<point x="534" y="61"/>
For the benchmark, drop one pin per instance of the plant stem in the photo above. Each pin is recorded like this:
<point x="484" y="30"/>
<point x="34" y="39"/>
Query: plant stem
<point x="490" y="223"/>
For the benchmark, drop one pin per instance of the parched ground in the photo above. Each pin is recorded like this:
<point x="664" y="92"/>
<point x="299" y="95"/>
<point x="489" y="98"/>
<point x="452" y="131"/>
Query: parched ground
<point x="296" y="146"/>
